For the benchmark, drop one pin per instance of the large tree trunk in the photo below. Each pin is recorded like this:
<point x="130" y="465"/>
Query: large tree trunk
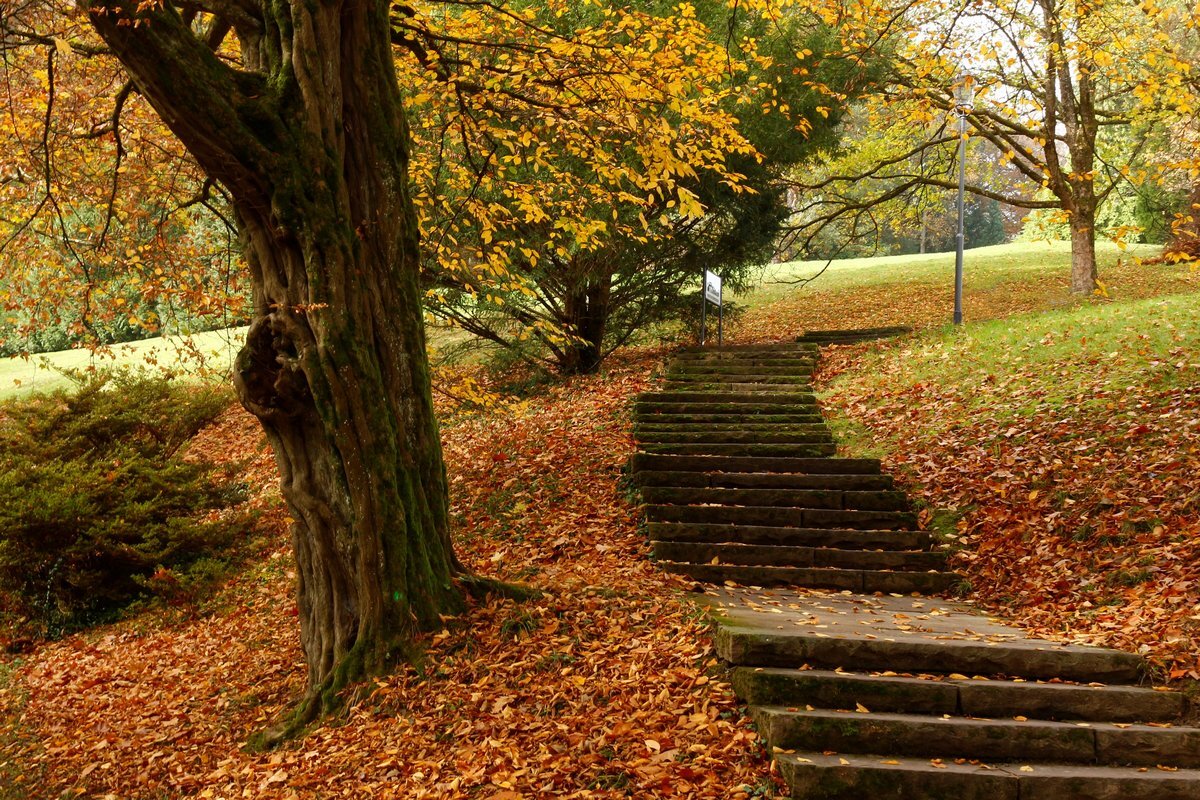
<point x="1083" y="250"/>
<point x="311" y="142"/>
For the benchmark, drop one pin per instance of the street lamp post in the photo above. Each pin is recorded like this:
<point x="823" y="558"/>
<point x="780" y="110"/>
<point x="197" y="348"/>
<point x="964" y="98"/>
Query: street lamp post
<point x="964" y="101"/>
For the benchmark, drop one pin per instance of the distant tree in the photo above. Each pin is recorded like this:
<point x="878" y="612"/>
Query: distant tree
<point x="983" y="223"/>
<point x="1069" y="95"/>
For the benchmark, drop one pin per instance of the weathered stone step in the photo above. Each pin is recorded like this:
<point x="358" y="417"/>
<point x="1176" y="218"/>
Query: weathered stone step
<point x="739" y="368"/>
<point x="750" y="555"/>
<point x="817" y="776"/>
<point x="784" y="498"/>
<point x="734" y="437"/>
<point x="772" y="397"/>
<point x="754" y="480"/>
<point x="758" y="450"/>
<point x="731" y="356"/>
<point x="730" y="413"/>
<point x="747" y="403"/>
<point x="774" y="517"/>
<point x="730" y="383"/>
<point x="852" y="334"/>
<point x="739" y="363"/>
<point x="684" y="427"/>
<point x="758" y="686"/>
<point x="841" y="538"/>
<point x="753" y="388"/>
<point x="731" y="419"/>
<point x="851" y="580"/>
<point x="770" y="348"/>
<point x="807" y="466"/>
<point x="847" y="647"/>
<point x="736" y="383"/>
<point x="983" y="739"/>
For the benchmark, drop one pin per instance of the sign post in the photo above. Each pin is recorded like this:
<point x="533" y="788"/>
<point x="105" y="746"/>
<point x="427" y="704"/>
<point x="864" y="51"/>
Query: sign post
<point x="712" y="294"/>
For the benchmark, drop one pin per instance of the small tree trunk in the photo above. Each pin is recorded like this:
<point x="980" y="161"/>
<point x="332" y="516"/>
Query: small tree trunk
<point x="586" y="317"/>
<point x="1083" y="250"/>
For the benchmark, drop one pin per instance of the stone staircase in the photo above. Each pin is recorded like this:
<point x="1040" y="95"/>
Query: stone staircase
<point x="817" y="576"/>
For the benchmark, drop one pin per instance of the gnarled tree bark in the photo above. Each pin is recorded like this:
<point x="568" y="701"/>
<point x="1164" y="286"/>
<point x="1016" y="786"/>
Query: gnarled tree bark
<point x="309" y="136"/>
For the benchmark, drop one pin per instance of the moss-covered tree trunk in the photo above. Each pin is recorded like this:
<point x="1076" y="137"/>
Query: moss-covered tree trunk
<point x="309" y="138"/>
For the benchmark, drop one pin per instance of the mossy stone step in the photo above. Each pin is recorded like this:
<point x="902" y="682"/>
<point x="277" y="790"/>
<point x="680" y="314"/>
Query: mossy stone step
<point x="784" y="383"/>
<point x="849" y="580"/>
<point x="754" y="480"/>
<point x="734" y="437"/>
<point x="739" y="368"/>
<point x="684" y="427"/>
<point x="983" y="739"/>
<point x="758" y="450"/>
<point x="730" y="404"/>
<point x="783" y="498"/>
<point x="760" y="686"/>
<point x="783" y="517"/>
<point x="841" y="538"/>
<point x="852" y="335"/>
<point x="741" y="362"/>
<point x="751" y="555"/>
<point x="805" y="466"/>
<point x="730" y="419"/>
<point x="769" y="348"/>
<point x="820" y="776"/>
<point x="777" y="397"/>
<point x="748" y="387"/>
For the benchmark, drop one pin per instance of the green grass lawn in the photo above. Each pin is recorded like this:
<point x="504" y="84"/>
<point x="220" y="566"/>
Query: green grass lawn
<point x="983" y="268"/>
<point x="202" y="353"/>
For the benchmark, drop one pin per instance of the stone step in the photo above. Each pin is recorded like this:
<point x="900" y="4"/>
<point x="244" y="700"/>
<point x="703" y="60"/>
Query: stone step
<point x="759" y="686"/>
<point x="852" y="334"/>
<point x="841" y="538"/>
<point x="809" y="353"/>
<point x="755" y="480"/>
<point x="749" y="387"/>
<point x="744" y="404"/>
<point x="693" y="425"/>
<point x="736" y="383"/>
<point x="848" y="580"/>
<point x="834" y="648"/>
<point x="751" y="555"/>
<point x="775" y="517"/>
<point x="739" y="368"/>
<point x="741" y="376"/>
<point x="806" y="466"/>
<point x="728" y="398"/>
<point x="771" y="348"/>
<point x="780" y="498"/>
<point x="817" y="776"/>
<point x="756" y="450"/>
<point x="731" y="419"/>
<point x="983" y="739"/>
<point x="734" y="437"/>
<point x="742" y="362"/>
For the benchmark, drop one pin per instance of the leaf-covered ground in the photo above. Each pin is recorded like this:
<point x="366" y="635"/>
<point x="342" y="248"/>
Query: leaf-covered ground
<point x="1071" y="459"/>
<point x="605" y="687"/>
<point x="1061" y="454"/>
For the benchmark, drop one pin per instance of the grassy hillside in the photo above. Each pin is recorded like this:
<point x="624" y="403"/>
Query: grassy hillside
<point x="214" y="351"/>
<point x="1059" y="453"/>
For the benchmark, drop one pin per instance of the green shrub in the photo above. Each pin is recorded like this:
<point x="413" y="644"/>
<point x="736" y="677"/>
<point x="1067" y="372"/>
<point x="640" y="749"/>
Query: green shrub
<point x="98" y="507"/>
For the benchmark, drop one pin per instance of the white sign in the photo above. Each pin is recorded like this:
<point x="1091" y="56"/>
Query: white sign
<point x="712" y="288"/>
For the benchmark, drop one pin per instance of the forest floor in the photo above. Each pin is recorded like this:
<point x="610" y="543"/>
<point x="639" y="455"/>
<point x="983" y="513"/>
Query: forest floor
<point x="1063" y="458"/>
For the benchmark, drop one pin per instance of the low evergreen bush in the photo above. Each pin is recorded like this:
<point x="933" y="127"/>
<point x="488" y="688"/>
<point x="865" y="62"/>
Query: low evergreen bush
<point x="98" y="506"/>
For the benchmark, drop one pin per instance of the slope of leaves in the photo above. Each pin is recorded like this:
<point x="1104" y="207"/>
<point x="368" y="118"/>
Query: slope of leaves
<point x="1065" y="448"/>
<point x="604" y="687"/>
